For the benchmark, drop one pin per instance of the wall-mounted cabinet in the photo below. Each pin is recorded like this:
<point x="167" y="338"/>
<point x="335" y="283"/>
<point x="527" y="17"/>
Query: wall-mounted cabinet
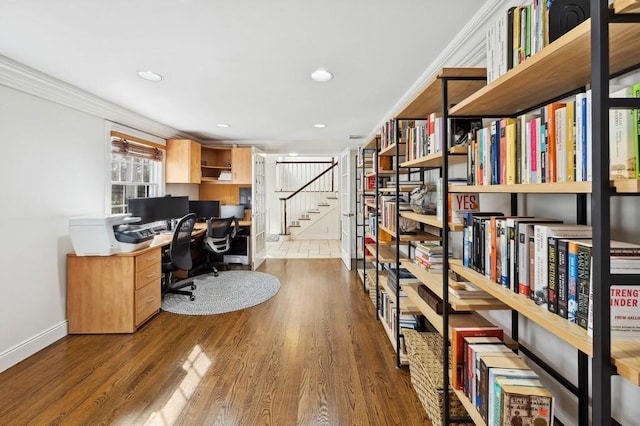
<point x="216" y="163"/>
<point x="241" y="161"/>
<point x="183" y="161"/>
<point x="226" y="165"/>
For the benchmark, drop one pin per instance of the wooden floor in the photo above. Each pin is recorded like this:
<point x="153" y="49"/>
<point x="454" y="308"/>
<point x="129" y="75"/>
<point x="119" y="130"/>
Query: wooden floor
<point x="312" y="355"/>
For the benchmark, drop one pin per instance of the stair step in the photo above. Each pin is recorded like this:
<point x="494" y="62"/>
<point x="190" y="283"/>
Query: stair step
<point x="304" y="218"/>
<point x="294" y="226"/>
<point x="332" y="198"/>
<point x="313" y="211"/>
<point x="323" y="204"/>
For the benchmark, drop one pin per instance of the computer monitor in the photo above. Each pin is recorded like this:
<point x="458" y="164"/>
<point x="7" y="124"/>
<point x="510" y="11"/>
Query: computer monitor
<point x="204" y="209"/>
<point x="154" y="209"/>
<point x="236" y="211"/>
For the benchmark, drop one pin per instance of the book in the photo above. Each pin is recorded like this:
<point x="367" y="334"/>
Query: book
<point x="459" y="204"/>
<point x="563" y="277"/>
<point x="470" y="349"/>
<point x="525" y="231"/>
<point x="582" y="249"/>
<point x="539" y="289"/>
<point x="550" y="128"/>
<point x="636" y="132"/>
<point x="498" y="376"/>
<point x="622" y="151"/>
<point x="526" y="405"/>
<point x="474" y="355"/>
<point x="457" y="345"/>
<point x="625" y="311"/>
<point x="486" y="363"/>
<point x="561" y="143"/>
<point x="467" y="290"/>
<point x="570" y="127"/>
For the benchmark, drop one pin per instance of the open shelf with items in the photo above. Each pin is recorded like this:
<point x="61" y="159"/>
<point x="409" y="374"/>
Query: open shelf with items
<point x="603" y="47"/>
<point x="624" y="354"/>
<point x="430" y="220"/>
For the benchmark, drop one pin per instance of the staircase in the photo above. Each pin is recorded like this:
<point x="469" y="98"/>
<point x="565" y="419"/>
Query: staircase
<point x="318" y="223"/>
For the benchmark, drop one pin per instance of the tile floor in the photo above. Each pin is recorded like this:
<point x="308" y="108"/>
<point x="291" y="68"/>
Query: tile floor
<point x="304" y="249"/>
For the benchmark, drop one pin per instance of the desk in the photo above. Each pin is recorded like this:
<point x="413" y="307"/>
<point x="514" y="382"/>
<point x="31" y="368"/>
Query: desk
<point x="118" y="293"/>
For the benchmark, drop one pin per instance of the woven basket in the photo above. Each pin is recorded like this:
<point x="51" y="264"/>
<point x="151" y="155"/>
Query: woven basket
<point x="425" y="365"/>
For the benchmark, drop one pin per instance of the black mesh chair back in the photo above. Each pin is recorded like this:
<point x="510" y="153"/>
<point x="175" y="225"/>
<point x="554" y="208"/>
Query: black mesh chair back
<point x="220" y="232"/>
<point x="180" y="249"/>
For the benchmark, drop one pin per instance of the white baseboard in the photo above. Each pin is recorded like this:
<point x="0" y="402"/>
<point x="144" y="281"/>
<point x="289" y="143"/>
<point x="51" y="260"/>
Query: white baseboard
<point x="24" y="350"/>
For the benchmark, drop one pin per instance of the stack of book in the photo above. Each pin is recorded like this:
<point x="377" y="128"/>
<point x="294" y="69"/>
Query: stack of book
<point x="406" y="277"/>
<point x="496" y="380"/>
<point x="467" y="290"/>
<point x="429" y="256"/>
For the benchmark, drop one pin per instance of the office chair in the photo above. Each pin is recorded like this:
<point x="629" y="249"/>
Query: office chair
<point x="220" y="234"/>
<point x="179" y="257"/>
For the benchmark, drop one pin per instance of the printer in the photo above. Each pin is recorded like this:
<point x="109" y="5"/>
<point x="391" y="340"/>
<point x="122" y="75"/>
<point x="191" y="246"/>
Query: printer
<point x="104" y="235"/>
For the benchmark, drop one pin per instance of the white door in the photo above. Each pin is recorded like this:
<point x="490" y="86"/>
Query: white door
<point x="346" y="186"/>
<point x="258" y="211"/>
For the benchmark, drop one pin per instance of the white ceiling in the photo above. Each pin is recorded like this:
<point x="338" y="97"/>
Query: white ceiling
<point x="242" y="62"/>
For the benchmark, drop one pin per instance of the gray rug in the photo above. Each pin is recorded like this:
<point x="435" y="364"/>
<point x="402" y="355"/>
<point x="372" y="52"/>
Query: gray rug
<point x="230" y="291"/>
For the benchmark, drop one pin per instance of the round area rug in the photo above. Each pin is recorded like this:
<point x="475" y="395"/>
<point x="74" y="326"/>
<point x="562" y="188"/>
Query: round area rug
<point x="229" y="291"/>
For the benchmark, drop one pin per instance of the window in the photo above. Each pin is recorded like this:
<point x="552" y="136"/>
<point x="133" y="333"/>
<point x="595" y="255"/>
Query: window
<point x="136" y="172"/>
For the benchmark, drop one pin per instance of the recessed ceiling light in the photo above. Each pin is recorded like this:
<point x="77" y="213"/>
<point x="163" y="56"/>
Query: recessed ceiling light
<point x="223" y="125"/>
<point x="321" y="75"/>
<point x="150" y="75"/>
<point x="319" y="126"/>
<point x="293" y="154"/>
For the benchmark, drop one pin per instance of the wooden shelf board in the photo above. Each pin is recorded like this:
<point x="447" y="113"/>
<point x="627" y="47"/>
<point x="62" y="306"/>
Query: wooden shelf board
<point x="371" y="143"/>
<point x="571" y="333"/>
<point x="209" y="180"/>
<point x="561" y="67"/>
<point x="471" y="409"/>
<point x="625" y="355"/>
<point x="457" y="155"/>
<point x="403" y="188"/>
<point x="216" y="167"/>
<point x="456" y="320"/>
<point x="429" y="98"/>
<point x="420" y="236"/>
<point x="434" y="282"/>
<point x="391" y="150"/>
<point x="385" y="254"/>
<point x="626" y="6"/>
<point x="620" y="185"/>
<point x="626" y="185"/>
<point x="550" y="188"/>
<point x="431" y="220"/>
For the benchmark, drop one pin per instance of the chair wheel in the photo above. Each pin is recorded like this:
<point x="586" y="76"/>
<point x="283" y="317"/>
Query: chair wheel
<point x="215" y="274"/>
<point x="192" y="297"/>
<point x="193" y="287"/>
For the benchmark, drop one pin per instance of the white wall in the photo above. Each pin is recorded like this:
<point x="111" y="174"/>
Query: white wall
<point x="53" y="168"/>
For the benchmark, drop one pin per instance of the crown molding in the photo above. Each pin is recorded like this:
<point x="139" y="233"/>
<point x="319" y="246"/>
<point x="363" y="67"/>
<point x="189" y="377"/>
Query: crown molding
<point x="20" y="77"/>
<point x="467" y="49"/>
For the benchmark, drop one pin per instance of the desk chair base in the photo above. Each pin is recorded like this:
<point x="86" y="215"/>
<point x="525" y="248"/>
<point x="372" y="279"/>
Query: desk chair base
<point x="178" y="289"/>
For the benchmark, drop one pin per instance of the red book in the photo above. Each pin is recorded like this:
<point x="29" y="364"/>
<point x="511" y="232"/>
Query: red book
<point x="457" y="348"/>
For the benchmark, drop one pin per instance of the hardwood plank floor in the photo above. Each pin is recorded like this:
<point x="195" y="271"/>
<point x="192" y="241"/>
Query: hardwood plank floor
<point x="312" y="355"/>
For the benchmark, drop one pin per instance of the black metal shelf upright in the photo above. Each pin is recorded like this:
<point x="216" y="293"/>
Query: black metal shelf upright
<point x="601" y="196"/>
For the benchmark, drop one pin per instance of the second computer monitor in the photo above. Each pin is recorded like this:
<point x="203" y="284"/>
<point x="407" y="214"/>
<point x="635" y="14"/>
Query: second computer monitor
<point x="154" y="209"/>
<point x="204" y="209"/>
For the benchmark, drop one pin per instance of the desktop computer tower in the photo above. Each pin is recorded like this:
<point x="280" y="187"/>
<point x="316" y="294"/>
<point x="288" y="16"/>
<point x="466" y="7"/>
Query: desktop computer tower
<point x="239" y="251"/>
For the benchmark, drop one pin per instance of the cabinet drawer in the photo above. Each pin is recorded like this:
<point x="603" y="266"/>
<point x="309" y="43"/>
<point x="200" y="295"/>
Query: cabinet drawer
<point x="147" y="301"/>
<point x="150" y="273"/>
<point x="148" y="258"/>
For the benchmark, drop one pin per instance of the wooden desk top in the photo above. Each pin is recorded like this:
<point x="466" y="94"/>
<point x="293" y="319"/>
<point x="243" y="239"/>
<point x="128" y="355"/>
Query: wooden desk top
<point x="164" y="239"/>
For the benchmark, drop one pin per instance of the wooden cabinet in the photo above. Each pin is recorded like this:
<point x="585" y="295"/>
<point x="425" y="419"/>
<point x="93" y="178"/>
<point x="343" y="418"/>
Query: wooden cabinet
<point x="113" y="294"/>
<point x="183" y="161"/>
<point x="241" y="161"/>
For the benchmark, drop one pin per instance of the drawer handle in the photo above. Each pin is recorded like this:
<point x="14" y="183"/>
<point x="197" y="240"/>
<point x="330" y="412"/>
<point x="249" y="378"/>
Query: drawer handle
<point x="151" y="259"/>
<point x="151" y="299"/>
<point x="151" y="274"/>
